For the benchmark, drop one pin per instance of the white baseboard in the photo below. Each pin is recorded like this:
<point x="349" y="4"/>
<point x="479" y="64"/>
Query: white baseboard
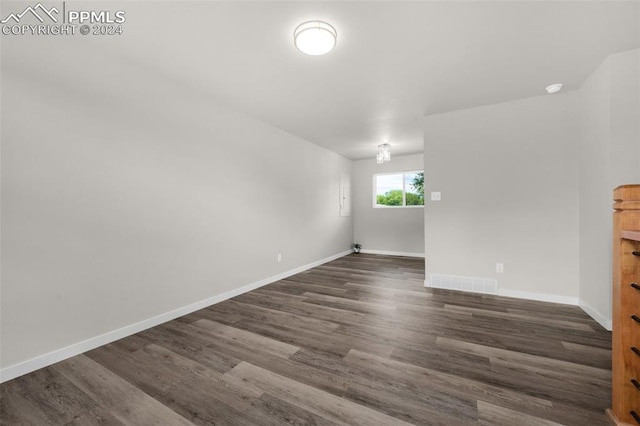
<point x="600" y="319"/>
<point x="544" y="297"/>
<point x="540" y="297"/>
<point x="392" y="253"/>
<point x="17" y="370"/>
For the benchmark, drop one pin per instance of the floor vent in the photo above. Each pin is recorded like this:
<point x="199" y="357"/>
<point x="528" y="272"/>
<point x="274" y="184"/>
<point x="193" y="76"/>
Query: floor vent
<point x="454" y="282"/>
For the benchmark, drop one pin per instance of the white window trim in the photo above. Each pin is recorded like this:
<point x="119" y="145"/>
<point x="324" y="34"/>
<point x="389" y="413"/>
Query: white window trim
<point x="404" y="192"/>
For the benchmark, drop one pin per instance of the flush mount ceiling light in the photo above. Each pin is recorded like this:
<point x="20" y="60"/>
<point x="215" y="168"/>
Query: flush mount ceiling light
<point x="315" y="37"/>
<point x="554" y="88"/>
<point x="384" y="153"/>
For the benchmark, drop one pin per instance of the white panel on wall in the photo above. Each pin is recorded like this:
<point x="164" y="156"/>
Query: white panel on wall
<point x="345" y="194"/>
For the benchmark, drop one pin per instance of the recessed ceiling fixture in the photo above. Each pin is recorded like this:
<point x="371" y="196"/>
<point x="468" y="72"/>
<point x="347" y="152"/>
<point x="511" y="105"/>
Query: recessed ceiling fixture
<point x="315" y="37"/>
<point x="554" y="88"/>
<point x="384" y="153"/>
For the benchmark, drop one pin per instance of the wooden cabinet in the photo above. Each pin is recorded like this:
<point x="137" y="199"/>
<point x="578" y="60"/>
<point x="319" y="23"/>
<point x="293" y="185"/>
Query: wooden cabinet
<point x="626" y="307"/>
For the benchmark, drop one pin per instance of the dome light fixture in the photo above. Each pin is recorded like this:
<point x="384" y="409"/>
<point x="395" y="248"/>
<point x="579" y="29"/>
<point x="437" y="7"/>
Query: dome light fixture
<point x="554" y="88"/>
<point x="315" y="37"/>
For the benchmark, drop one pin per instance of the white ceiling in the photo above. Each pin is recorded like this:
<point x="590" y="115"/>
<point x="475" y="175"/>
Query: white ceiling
<point x="394" y="61"/>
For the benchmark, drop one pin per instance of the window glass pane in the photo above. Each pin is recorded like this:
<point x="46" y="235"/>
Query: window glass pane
<point x="389" y="190"/>
<point x="414" y="187"/>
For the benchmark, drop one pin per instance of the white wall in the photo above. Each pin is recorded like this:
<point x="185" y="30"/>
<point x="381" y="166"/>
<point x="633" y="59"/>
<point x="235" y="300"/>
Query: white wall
<point x="395" y="231"/>
<point x="126" y="195"/>
<point x="508" y="174"/>
<point x="529" y="183"/>
<point x="609" y="156"/>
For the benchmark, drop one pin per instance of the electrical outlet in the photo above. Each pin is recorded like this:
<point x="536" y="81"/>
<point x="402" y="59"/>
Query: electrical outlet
<point x="500" y="268"/>
<point x="279" y="257"/>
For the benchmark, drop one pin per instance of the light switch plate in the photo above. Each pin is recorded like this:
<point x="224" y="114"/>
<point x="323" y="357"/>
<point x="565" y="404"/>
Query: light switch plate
<point x="435" y="196"/>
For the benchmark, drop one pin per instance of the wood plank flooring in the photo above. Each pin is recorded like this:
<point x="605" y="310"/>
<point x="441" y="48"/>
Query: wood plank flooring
<point x="357" y="341"/>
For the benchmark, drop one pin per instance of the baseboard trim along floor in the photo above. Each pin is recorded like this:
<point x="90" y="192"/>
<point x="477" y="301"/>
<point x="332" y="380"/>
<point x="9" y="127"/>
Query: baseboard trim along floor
<point x="478" y="285"/>
<point x="392" y="253"/>
<point x="33" y="364"/>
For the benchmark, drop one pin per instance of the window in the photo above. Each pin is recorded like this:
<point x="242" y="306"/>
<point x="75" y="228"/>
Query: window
<point x="404" y="189"/>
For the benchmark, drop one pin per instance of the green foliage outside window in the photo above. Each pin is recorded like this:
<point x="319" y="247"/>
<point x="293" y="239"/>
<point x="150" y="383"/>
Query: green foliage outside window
<point x="418" y="184"/>
<point x="390" y="198"/>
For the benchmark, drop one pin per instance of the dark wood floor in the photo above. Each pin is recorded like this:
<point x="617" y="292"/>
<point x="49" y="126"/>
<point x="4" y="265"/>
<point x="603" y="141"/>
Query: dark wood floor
<point x="357" y="341"/>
